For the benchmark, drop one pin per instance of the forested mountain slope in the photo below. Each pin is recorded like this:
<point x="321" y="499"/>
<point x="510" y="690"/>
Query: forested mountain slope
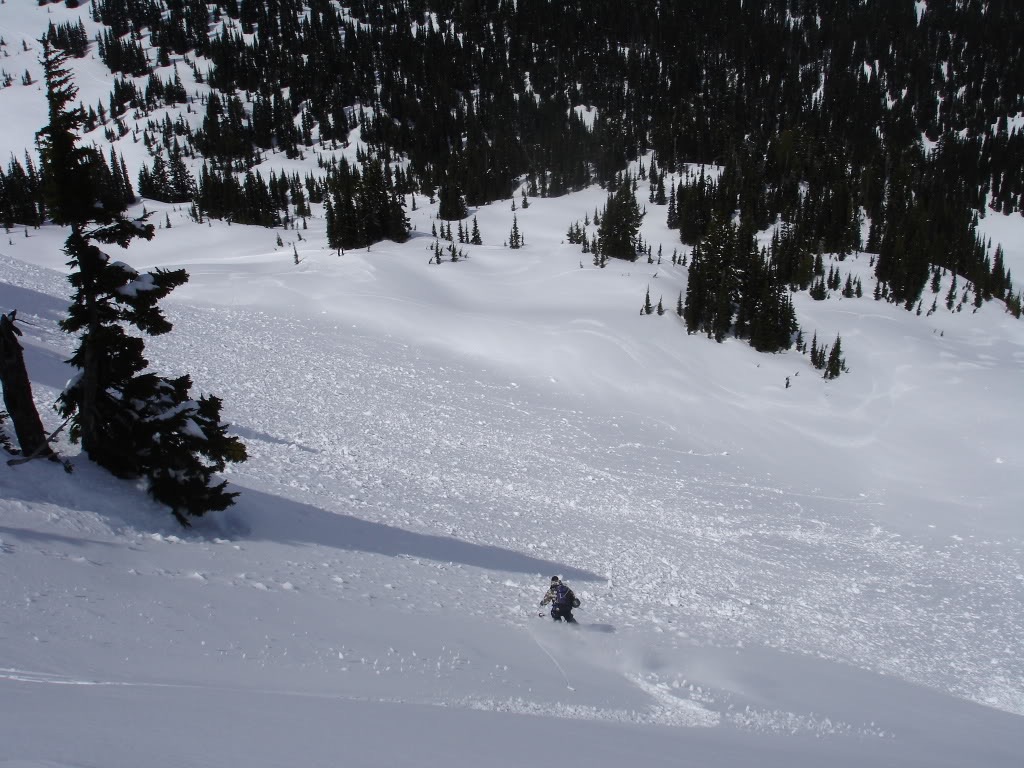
<point x="883" y="126"/>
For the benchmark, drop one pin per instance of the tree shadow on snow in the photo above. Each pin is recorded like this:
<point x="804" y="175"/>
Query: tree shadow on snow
<point x="31" y="302"/>
<point x="260" y="515"/>
<point x="46" y="368"/>
<point x="26" y="535"/>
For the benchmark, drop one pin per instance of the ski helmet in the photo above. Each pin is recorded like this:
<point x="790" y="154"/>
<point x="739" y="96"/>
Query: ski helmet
<point x="555" y="580"/>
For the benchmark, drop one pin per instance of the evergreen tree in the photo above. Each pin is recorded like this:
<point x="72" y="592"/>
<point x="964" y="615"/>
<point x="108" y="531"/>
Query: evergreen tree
<point x="647" y="307"/>
<point x="133" y="423"/>
<point x="835" y="365"/>
<point x="819" y="291"/>
<point x="451" y="203"/>
<point x="515" y="240"/>
<point x="672" y="218"/>
<point x="620" y="223"/>
<point x="68" y="169"/>
<point x="848" y="287"/>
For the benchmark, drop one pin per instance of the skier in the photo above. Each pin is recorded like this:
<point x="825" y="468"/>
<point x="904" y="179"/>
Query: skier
<point x="562" y="601"/>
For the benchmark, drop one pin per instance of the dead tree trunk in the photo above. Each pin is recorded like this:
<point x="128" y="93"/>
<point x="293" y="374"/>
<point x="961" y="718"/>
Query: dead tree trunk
<point x="18" y="392"/>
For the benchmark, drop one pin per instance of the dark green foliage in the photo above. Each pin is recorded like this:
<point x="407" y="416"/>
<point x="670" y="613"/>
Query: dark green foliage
<point x="168" y="182"/>
<point x="164" y="92"/>
<point x="69" y="185"/>
<point x="515" y="239"/>
<point x="733" y="288"/>
<point x="576" y="234"/>
<point x="109" y="296"/>
<point x="792" y="257"/>
<point x="451" y="204"/>
<point x="835" y="364"/>
<point x="183" y="444"/>
<point x="1014" y="305"/>
<point x="849" y="287"/>
<point x="365" y="207"/>
<point x="620" y="222"/>
<point x="132" y="422"/>
<point x="828" y="360"/>
<point x="696" y="204"/>
<point x="122" y="54"/>
<point x="817" y="354"/>
<point x="70" y="38"/>
<point x="253" y="200"/>
<point x="113" y="187"/>
<point x="227" y="135"/>
<point x="819" y="290"/>
<point x="20" y="194"/>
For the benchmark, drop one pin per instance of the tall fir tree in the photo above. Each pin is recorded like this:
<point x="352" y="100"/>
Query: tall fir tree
<point x="451" y="203"/>
<point x="515" y="239"/>
<point x="835" y="364"/>
<point x="620" y="224"/>
<point x="133" y="423"/>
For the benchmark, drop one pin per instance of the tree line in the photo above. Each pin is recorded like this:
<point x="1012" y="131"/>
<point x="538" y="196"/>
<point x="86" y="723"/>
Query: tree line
<point x="818" y="117"/>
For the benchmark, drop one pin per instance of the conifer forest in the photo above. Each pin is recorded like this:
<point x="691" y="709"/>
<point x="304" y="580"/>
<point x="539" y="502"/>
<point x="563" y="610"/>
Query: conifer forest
<point x="849" y="125"/>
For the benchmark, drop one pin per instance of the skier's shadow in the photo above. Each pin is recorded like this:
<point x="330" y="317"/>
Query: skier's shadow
<point x="260" y="515"/>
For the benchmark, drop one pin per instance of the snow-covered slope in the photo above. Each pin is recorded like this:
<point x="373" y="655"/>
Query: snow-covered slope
<point x="829" y="573"/>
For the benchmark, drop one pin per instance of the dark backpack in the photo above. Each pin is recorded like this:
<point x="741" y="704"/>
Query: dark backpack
<point x="565" y="597"/>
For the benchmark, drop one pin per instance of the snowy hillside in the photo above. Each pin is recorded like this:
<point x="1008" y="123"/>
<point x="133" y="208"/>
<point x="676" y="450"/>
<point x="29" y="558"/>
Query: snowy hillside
<point x="820" y="573"/>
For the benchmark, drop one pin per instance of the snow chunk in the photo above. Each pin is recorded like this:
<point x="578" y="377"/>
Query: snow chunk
<point x="192" y="429"/>
<point x="141" y="284"/>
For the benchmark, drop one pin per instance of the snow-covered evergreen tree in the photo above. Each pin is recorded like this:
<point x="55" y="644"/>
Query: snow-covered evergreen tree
<point x="132" y="422"/>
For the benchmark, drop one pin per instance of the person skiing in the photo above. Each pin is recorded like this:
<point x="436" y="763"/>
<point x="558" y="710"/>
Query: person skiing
<point x="562" y="601"/>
